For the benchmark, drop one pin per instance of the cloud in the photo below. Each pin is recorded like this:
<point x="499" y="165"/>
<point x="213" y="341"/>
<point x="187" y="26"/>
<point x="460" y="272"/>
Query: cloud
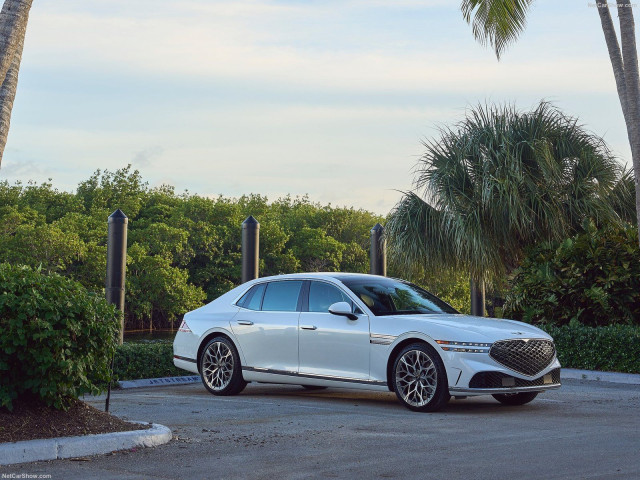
<point x="288" y="45"/>
<point x="142" y="158"/>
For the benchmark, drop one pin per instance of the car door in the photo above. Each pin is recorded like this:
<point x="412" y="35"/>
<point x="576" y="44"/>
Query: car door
<point x="266" y="326"/>
<point x="331" y="345"/>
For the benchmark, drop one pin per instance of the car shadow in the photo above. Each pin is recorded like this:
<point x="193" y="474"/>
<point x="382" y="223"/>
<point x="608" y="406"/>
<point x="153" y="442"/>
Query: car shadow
<point x="388" y="400"/>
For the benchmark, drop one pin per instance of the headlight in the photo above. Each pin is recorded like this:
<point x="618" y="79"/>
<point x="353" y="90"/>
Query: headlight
<point x="466" y="347"/>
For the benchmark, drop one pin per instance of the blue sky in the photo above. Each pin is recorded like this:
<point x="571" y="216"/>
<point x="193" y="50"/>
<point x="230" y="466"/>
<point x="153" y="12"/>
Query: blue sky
<point x="326" y="98"/>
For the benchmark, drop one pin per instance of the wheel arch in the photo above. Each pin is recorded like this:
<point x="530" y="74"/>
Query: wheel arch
<point x="212" y="334"/>
<point x="398" y="348"/>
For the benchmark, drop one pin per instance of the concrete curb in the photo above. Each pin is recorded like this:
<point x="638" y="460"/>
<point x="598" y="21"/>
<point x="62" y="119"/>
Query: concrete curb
<point x="159" y="382"/>
<point x="612" y="377"/>
<point x="82" y="446"/>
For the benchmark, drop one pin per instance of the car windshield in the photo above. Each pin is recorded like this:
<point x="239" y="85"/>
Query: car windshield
<point x="386" y="296"/>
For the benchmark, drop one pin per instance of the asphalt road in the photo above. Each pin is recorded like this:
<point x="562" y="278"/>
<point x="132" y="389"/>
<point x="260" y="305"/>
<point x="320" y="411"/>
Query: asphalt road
<point x="585" y="430"/>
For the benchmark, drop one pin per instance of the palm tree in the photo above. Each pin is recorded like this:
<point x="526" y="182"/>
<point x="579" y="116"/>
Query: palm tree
<point x="13" y="25"/>
<point x="497" y="182"/>
<point x="500" y="22"/>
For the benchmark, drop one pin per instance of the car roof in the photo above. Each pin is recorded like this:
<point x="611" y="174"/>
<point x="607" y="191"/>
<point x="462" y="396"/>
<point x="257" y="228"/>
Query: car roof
<point x="340" y="276"/>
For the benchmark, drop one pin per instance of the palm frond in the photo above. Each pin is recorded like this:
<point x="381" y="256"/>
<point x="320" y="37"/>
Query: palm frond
<point x="496" y="22"/>
<point x="499" y="181"/>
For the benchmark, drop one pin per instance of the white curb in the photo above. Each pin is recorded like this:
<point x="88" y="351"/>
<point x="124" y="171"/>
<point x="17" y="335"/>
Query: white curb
<point x="613" y="377"/>
<point x="158" y="382"/>
<point x="82" y="446"/>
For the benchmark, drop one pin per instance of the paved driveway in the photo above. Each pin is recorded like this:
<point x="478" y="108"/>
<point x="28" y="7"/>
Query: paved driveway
<point x="584" y="430"/>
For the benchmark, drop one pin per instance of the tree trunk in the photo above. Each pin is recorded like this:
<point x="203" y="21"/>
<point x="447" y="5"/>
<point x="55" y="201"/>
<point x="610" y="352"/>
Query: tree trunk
<point x="632" y="81"/>
<point x="616" y="59"/>
<point x="477" y="298"/>
<point x="13" y="24"/>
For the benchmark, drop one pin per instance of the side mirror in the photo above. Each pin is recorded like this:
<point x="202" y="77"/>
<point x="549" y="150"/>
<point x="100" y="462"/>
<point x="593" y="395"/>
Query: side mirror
<point x="342" y="309"/>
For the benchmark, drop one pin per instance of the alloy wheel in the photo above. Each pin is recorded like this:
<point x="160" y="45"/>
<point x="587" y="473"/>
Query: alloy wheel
<point x="217" y="366"/>
<point x="416" y="378"/>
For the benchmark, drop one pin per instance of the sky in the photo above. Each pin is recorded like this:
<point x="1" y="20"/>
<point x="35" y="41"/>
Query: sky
<point x="330" y="99"/>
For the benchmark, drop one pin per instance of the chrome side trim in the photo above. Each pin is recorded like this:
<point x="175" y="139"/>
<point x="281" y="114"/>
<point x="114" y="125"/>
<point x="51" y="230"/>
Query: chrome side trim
<point x="312" y="375"/>
<point x="490" y="391"/>
<point x="186" y="359"/>
<point x="380" y="339"/>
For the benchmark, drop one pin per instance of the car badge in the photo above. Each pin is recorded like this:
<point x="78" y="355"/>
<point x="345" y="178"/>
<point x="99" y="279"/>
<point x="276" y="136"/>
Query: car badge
<point x="518" y="333"/>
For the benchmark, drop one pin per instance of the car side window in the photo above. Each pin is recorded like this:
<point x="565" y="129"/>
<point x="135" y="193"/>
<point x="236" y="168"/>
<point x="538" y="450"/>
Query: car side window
<point x="282" y="296"/>
<point x="322" y="296"/>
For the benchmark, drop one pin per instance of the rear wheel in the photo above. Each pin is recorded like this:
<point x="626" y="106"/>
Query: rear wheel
<point x="515" y="398"/>
<point x="419" y="379"/>
<point x="220" y="367"/>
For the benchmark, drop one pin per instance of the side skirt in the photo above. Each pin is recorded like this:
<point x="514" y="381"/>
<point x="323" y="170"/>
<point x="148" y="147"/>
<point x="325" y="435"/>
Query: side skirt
<point x="268" y="375"/>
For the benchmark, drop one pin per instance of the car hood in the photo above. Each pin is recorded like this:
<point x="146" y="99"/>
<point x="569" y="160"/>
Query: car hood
<point x="466" y="327"/>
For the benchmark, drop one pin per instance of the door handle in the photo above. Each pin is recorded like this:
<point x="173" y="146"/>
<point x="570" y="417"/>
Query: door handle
<point x="244" y="322"/>
<point x="308" y="327"/>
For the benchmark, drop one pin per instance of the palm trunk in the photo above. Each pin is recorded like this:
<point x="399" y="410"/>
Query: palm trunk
<point x="632" y="81"/>
<point x="7" y="96"/>
<point x="13" y="25"/>
<point x="616" y="59"/>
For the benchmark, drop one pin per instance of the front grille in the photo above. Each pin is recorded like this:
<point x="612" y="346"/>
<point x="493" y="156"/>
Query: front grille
<point x="495" y="380"/>
<point x="528" y="357"/>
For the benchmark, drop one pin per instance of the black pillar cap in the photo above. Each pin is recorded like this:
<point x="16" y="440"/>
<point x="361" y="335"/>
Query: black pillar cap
<point x="377" y="228"/>
<point x="249" y="221"/>
<point x="118" y="216"/>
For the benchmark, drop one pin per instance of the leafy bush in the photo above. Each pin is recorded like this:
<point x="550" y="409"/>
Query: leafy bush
<point x="57" y="338"/>
<point x="592" y="278"/>
<point x="151" y="359"/>
<point x="613" y="348"/>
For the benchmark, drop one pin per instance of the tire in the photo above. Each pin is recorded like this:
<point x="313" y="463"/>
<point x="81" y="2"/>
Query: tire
<point x="515" y="398"/>
<point x="312" y="387"/>
<point x="220" y="367"/>
<point x="419" y="378"/>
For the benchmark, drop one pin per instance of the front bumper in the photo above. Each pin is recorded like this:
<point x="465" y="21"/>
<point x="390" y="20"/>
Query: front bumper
<point x="492" y="382"/>
<point x="493" y="391"/>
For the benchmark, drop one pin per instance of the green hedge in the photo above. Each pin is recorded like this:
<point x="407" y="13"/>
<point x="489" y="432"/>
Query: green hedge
<point x="613" y="348"/>
<point x="145" y="359"/>
<point x="57" y="338"/>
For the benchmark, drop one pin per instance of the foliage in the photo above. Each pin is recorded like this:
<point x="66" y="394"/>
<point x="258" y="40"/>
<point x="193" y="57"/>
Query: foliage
<point x="57" y="339"/>
<point x="152" y="359"/>
<point x="496" y="22"/>
<point x="498" y="182"/>
<point x="183" y="249"/>
<point x="592" y="278"/>
<point x="613" y="348"/>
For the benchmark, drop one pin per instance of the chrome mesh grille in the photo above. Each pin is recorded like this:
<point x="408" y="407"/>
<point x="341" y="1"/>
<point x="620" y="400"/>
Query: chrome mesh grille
<point x="528" y="357"/>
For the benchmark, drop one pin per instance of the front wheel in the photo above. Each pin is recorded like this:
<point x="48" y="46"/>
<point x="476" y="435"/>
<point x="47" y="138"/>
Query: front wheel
<point x="419" y="379"/>
<point x="515" y="398"/>
<point x="220" y="367"/>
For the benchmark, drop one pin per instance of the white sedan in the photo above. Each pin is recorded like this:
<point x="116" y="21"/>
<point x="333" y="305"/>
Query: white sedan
<point x="350" y="330"/>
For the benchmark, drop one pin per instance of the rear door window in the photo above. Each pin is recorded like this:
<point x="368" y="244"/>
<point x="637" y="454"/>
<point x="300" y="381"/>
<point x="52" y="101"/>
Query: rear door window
<point x="282" y="296"/>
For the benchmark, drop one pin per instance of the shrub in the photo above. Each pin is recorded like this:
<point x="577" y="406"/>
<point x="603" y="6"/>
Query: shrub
<point x="57" y="338"/>
<point x="613" y="348"/>
<point x="151" y="359"/>
<point x="592" y="278"/>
